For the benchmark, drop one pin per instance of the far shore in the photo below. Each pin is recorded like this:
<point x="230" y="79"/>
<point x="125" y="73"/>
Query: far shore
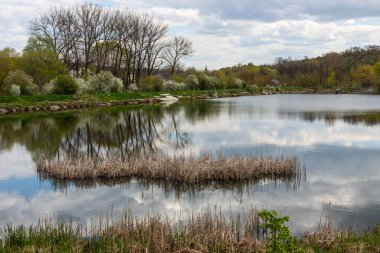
<point x="55" y="103"/>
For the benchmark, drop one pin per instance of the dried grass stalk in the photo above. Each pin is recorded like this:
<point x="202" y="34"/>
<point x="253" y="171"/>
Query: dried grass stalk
<point x="180" y="168"/>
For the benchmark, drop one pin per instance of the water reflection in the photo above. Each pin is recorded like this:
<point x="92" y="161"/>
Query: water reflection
<point x="337" y="138"/>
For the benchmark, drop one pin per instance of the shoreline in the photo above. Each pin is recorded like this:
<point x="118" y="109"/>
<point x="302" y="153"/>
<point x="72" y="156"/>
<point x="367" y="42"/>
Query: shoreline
<point x="149" y="99"/>
<point x="204" y="231"/>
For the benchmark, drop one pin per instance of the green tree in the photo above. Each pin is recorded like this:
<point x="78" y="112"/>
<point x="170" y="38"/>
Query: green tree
<point x="41" y="62"/>
<point x="376" y="68"/>
<point x="331" y="82"/>
<point x="7" y="64"/>
<point x="363" y="76"/>
<point x="280" y="239"/>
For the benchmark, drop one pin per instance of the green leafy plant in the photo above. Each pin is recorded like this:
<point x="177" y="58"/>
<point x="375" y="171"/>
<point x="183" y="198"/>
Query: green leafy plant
<point x="21" y="79"/>
<point x="64" y="85"/>
<point x="280" y="239"/>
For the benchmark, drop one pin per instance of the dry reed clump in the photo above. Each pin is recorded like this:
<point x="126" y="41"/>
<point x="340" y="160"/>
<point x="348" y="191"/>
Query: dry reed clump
<point x="325" y="238"/>
<point x="181" y="168"/>
<point x="204" y="232"/>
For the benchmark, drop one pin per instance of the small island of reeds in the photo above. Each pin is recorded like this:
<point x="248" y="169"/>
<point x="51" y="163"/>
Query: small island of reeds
<point x="176" y="168"/>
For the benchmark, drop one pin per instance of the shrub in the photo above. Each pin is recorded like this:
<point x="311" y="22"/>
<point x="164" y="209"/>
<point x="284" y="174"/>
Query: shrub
<point x="83" y="86"/>
<point x="210" y="82"/>
<point x="15" y="90"/>
<point x="21" y="79"/>
<point x="152" y="83"/>
<point x="64" y="84"/>
<point x="173" y="86"/>
<point x="280" y="239"/>
<point x="49" y="87"/>
<point x="104" y="81"/>
<point x="192" y="82"/>
<point x="235" y="83"/>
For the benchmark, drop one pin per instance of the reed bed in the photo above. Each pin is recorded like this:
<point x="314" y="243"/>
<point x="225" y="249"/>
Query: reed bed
<point x="207" y="231"/>
<point x="204" y="232"/>
<point x="180" y="168"/>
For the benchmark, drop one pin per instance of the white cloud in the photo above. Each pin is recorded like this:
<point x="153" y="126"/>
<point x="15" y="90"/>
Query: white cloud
<point x="16" y="163"/>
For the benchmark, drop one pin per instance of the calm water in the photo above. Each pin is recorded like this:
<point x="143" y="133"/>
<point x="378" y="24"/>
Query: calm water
<point x="336" y="137"/>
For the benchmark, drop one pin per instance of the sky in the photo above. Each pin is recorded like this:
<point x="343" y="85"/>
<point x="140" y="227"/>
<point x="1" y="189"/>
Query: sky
<point x="227" y="32"/>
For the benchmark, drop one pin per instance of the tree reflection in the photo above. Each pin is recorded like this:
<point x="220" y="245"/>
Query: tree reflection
<point x="95" y="133"/>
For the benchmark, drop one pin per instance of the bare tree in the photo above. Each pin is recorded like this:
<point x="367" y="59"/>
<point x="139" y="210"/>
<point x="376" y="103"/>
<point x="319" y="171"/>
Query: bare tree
<point x="177" y="49"/>
<point x="88" y="37"/>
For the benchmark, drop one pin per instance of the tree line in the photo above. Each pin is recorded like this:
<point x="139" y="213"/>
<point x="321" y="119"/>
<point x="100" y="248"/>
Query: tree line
<point x="353" y="69"/>
<point x="87" y="39"/>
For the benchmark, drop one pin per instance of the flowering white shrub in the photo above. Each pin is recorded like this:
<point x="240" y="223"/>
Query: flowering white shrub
<point x="23" y="80"/>
<point x="48" y="88"/>
<point x="15" y="90"/>
<point x="192" y="82"/>
<point x="104" y="81"/>
<point x="83" y="85"/>
<point x="173" y="86"/>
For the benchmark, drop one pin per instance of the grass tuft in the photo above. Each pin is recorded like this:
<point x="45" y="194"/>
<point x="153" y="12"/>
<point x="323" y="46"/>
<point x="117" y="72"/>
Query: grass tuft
<point x="180" y="168"/>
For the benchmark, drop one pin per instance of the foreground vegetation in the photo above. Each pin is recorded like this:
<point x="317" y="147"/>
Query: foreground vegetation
<point x="252" y="231"/>
<point x="181" y="168"/>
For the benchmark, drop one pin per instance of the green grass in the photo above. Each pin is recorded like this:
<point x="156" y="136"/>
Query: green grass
<point x="14" y="101"/>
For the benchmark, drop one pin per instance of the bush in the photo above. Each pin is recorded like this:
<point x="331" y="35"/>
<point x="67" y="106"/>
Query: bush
<point x="22" y="80"/>
<point x="64" y="85"/>
<point x="173" y="86"/>
<point x="192" y="82"/>
<point x="83" y="86"/>
<point x="235" y="83"/>
<point x="49" y="87"/>
<point x="15" y="90"/>
<point x="280" y="239"/>
<point x="152" y="83"/>
<point x="104" y="81"/>
<point x="210" y="82"/>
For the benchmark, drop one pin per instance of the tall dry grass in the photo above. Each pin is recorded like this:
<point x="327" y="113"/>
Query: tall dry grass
<point x="180" y="168"/>
<point x="205" y="232"/>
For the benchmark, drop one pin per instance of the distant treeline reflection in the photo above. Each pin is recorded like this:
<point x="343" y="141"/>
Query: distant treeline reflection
<point x="100" y="132"/>
<point x="354" y="118"/>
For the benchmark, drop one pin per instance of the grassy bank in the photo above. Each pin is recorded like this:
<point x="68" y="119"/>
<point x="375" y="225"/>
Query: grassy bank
<point x="207" y="231"/>
<point x="10" y="104"/>
<point x="181" y="168"/>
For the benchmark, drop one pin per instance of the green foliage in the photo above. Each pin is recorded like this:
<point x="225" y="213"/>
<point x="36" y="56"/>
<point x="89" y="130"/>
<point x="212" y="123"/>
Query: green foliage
<point x="363" y="76"/>
<point x="376" y="68"/>
<point x="192" y="82"/>
<point x="210" y="82"/>
<point x="235" y="83"/>
<point x="280" y="239"/>
<point x="177" y="78"/>
<point x="65" y="85"/>
<point x="21" y="79"/>
<point x="152" y="83"/>
<point x="103" y="81"/>
<point x="41" y="62"/>
<point x="331" y="79"/>
<point x="7" y="64"/>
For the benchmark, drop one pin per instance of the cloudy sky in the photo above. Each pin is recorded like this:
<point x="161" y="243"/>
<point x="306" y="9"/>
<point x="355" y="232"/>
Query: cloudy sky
<point x="226" y="32"/>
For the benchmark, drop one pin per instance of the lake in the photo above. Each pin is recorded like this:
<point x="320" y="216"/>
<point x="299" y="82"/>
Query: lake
<point x="335" y="137"/>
